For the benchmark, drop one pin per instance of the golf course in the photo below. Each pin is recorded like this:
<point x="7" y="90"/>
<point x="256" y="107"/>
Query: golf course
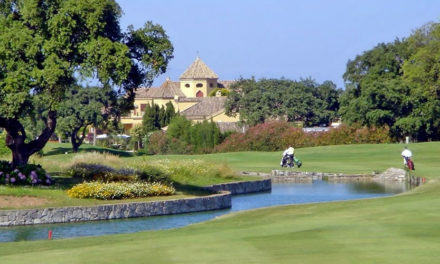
<point x="397" y="229"/>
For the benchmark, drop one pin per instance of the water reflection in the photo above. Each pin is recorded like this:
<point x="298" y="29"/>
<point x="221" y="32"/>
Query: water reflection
<point x="281" y="194"/>
<point x="379" y="187"/>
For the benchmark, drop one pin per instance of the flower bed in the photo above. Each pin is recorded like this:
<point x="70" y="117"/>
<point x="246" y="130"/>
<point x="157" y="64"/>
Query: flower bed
<point x="29" y="174"/>
<point x="119" y="190"/>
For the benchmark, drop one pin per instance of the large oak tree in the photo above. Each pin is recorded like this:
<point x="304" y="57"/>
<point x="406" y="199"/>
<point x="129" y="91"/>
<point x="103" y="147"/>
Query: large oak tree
<point x="47" y="46"/>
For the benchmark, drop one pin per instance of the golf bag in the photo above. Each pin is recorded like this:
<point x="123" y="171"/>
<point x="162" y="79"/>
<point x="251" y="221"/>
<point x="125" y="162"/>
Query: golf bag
<point x="409" y="163"/>
<point x="298" y="162"/>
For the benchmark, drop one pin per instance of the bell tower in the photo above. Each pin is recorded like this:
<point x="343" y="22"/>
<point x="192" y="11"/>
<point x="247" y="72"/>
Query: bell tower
<point x="198" y="80"/>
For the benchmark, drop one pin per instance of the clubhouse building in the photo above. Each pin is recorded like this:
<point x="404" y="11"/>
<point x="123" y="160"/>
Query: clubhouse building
<point x="189" y="96"/>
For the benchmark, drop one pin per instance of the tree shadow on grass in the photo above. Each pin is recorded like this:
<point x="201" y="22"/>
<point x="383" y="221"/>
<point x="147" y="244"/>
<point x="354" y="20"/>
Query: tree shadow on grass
<point x="190" y="189"/>
<point x="62" y="150"/>
<point x="65" y="183"/>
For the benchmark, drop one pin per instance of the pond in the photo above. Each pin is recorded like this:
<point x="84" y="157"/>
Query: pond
<point x="281" y="194"/>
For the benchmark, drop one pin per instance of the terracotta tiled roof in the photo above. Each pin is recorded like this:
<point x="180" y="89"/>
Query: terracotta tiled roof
<point x="198" y="70"/>
<point x="230" y="126"/>
<point x="141" y="92"/>
<point x="190" y="99"/>
<point x="207" y="107"/>
<point x="225" y="84"/>
<point x="168" y="89"/>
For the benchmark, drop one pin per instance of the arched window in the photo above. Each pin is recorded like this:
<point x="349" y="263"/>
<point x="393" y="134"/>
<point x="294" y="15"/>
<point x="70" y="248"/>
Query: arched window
<point x="187" y="85"/>
<point x="199" y="94"/>
<point x="199" y="85"/>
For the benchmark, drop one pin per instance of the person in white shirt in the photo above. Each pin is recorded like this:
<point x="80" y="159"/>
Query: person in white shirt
<point x="288" y="154"/>
<point x="406" y="154"/>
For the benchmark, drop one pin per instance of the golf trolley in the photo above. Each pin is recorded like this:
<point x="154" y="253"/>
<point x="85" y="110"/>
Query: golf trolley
<point x="290" y="161"/>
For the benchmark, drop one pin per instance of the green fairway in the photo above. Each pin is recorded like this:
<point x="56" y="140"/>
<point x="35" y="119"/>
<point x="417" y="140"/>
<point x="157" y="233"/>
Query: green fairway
<point x="398" y="229"/>
<point x="344" y="158"/>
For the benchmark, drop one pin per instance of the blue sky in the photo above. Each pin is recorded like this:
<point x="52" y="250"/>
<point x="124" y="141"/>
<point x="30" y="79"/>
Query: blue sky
<point x="277" y="38"/>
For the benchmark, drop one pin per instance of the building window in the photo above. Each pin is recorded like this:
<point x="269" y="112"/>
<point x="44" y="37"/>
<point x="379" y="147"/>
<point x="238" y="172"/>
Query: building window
<point x="143" y="106"/>
<point x="187" y="85"/>
<point x="199" y="94"/>
<point x="211" y="85"/>
<point x="199" y="85"/>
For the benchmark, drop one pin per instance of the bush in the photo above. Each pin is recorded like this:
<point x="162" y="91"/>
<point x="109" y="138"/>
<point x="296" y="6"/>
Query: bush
<point x="119" y="190"/>
<point x="157" y="143"/>
<point x="183" y="137"/>
<point x="97" y="172"/>
<point x="29" y="174"/>
<point x="149" y="173"/>
<point x="273" y="136"/>
<point x="223" y="91"/>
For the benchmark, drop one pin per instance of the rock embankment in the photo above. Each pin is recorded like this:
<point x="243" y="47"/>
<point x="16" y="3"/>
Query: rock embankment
<point x="220" y="200"/>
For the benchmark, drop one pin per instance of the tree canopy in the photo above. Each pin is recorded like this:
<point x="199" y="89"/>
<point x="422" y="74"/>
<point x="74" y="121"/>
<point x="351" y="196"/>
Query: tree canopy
<point x="269" y="99"/>
<point x="84" y="107"/>
<point x="397" y="84"/>
<point x="47" y="46"/>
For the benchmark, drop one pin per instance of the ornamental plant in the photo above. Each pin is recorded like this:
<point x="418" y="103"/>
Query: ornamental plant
<point x="274" y="136"/>
<point x="102" y="173"/>
<point x="119" y="190"/>
<point x="29" y="174"/>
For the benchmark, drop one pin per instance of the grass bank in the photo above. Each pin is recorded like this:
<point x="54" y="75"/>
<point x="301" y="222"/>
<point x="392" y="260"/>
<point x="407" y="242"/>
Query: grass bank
<point x="398" y="229"/>
<point x="187" y="175"/>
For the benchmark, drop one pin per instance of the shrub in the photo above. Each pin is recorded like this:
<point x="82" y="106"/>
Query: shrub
<point x="157" y="143"/>
<point x="29" y="174"/>
<point x="98" y="172"/>
<point x="119" y="190"/>
<point x="273" y="136"/>
<point x="149" y="173"/>
<point x="183" y="137"/>
<point x="223" y="91"/>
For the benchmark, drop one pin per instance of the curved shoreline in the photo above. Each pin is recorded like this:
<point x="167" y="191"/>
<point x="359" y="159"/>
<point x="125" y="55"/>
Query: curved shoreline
<point x="220" y="200"/>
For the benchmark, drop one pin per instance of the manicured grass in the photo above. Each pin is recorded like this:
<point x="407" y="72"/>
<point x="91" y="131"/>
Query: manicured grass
<point x="398" y="229"/>
<point x="343" y="158"/>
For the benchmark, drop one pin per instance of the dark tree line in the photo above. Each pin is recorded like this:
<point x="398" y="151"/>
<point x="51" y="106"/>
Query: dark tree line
<point x="282" y="99"/>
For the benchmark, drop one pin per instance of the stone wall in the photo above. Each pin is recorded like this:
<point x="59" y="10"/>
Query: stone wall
<point x="242" y="187"/>
<point x="391" y="174"/>
<point x="302" y="176"/>
<point x="114" y="211"/>
<point x="217" y="201"/>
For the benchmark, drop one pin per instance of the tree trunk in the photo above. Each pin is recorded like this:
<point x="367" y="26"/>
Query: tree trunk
<point x="20" y="154"/>
<point x="75" y="143"/>
<point x="75" y="140"/>
<point x="16" y="136"/>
